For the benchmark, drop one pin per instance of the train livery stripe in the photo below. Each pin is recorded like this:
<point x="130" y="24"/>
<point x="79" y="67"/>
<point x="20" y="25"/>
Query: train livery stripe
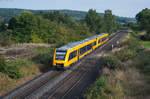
<point x="71" y="53"/>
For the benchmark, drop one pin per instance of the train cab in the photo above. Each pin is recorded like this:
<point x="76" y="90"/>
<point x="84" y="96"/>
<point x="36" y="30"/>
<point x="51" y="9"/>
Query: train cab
<point x="59" y="58"/>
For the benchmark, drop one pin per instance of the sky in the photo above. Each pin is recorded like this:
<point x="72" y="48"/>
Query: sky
<point x="125" y="8"/>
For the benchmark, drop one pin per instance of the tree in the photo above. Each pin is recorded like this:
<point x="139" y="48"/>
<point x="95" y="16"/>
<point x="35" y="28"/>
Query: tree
<point x="23" y="26"/>
<point x="58" y="17"/>
<point x="94" y="21"/>
<point x="143" y="19"/>
<point x="110" y="22"/>
<point x="3" y="27"/>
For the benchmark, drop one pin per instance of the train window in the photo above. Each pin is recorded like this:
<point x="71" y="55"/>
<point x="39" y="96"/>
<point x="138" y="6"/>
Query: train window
<point x="89" y="46"/>
<point x="60" y="55"/>
<point x="72" y="55"/>
<point x="99" y="40"/>
<point x="104" y="39"/>
<point x="83" y="50"/>
<point x="94" y="43"/>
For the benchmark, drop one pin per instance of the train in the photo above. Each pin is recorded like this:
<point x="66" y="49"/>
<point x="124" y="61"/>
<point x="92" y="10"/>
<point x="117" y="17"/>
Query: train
<point x="71" y="53"/>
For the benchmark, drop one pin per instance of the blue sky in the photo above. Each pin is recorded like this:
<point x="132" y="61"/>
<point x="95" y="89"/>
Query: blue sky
<point x="126" y="8"/>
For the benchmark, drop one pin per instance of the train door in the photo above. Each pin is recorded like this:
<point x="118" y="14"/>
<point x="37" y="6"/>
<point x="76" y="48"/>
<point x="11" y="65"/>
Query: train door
<point x="78" y="54"/>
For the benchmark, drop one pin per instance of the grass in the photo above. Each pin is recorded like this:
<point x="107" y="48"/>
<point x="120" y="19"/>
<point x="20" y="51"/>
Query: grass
<point x="28" y="67"/>
<point x="18" y="69"/>
<point x="6" y="83"/>
<point x="146" y="44"/>
<point x="142" y="32"/>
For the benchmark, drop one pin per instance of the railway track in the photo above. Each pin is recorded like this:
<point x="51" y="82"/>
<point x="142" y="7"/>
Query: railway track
<point x="76" y="83"/>
<point x="29" y="87"/>
<point x="64" y="84"/>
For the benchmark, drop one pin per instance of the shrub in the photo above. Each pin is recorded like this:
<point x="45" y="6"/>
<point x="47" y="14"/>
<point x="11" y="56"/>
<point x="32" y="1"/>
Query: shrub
<point x="125" y="55"/>
<point x="42" y="59"/>
<point x="134" y="44"/>
<point x="44" y="56"/>
<point x="21" y="62"/>
<point x="105" y="87"/>
<point x="143" y="63"/>
<point x="97" y="89"/>
<point x="11" y="71"/>
<point x="5" y="39"/>
<point x="2" y="63"/>
<point x="112" y="62"/>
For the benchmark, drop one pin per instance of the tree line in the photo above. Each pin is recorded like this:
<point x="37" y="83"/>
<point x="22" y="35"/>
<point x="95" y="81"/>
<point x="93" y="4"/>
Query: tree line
<point x="55" y="27"/>
<point x="142" y="24"/>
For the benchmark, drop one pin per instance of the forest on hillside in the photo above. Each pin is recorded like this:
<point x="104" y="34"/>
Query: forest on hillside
<point x="54" y="27"/>
<point x="7" y="13"/>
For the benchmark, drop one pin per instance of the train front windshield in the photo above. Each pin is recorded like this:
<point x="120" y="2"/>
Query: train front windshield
<point x="60" y="55"/>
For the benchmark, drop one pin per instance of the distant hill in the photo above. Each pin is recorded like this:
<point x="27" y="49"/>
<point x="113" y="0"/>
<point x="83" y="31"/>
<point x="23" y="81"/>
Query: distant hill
<point x="7" y="13"/>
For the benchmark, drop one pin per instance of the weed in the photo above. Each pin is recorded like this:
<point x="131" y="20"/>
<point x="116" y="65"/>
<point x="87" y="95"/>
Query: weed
<point x="125" y="54"/>
<point x="112" y="62"/>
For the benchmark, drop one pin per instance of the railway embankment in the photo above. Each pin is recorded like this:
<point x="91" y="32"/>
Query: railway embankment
<point x="125" y="73"/>
<point x="21" y="63"/>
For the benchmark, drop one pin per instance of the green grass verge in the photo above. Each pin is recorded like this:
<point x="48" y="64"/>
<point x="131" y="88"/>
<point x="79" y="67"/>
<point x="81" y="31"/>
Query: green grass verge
<point x="146" y="44"/>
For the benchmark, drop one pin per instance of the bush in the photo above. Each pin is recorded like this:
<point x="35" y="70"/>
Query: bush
<point x="97" y="89"/>
<point x="105" y="87"/>
<point x="42" y="59"/>
<point x="125" y="55"/>
<point x="21" y="62"/>
<point x="143" y="63"/>
<point x="44" y="56"/>
<point x="2" y="63"/>
<point x="6" y="39"/>
<point x="134" y="44"/>
<point x="112" y="62"/>
<point x="11" y="71"/>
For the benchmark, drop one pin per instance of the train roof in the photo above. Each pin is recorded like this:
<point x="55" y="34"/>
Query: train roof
<point x="74" y="44"/>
